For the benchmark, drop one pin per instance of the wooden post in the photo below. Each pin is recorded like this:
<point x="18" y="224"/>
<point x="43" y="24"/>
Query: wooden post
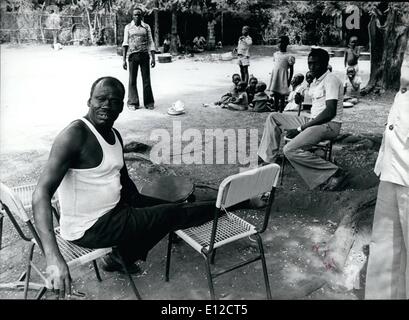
<point x="222" y="29"/>
<point x="174" y="30"/>
<point x="156" y="24"/>
<point x="115" y="28"/>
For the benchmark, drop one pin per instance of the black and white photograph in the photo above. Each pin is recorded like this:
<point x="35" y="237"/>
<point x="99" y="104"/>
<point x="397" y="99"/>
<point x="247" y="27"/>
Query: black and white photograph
<point x="218" y="152"/>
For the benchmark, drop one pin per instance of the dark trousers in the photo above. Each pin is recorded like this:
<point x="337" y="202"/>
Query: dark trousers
<point x="279" y="102"/>
<point x="136" y="60"/>
<point x="136" y="230"/>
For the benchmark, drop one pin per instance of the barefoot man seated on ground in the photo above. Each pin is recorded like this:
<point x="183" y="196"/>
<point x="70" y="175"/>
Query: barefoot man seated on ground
<point x="100" y="205"/>
<point x="325" y="123"/>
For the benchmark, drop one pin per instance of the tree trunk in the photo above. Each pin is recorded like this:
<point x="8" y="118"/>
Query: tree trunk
<point x="376" y="51"/>
<point x="174" y="31"/>
<point x="91" y="30"/>
<point x="387" y="49"/>
<point x="222" y="29"/>
<point x="211" y="36"/>
<point x="156" y="24"/>
<point x="394" y="47"/>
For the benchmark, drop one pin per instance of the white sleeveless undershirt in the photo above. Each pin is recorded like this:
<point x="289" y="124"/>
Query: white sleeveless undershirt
<point x="87" y="194"/>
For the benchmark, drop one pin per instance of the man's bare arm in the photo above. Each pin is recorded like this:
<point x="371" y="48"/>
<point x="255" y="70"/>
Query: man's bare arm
<point x="124" y="52"/>
<point x="64" y="151"/>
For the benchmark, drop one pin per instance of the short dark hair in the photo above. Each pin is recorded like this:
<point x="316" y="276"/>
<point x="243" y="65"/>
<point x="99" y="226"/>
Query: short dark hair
<point x="300" y="76"/>
<point x="243" y="84"/>
<point x="261" y="86"/>
<point x="285" y="39"/>
<point x="118" y="84"/>
<point x="321" y="54"/>
<point x="235" y="75"/>
<point x="137" y="7"/>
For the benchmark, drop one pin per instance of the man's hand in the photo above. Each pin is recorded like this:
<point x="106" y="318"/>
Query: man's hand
<point x="292" y="133"/>
<point x="153" y="63"/>
<point x="58" y="276"/>
<point x="125" y="65"/>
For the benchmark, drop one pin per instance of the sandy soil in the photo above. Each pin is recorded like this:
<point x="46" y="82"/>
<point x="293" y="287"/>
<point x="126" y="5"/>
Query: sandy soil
<point x="43" y="90"/>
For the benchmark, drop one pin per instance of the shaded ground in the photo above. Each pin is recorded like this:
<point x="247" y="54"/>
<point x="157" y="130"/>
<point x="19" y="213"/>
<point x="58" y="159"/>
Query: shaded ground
<point x="30" y="121"/>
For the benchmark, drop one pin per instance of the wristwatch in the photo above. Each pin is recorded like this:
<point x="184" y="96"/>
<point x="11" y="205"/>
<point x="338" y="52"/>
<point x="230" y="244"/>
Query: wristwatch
<point x="299" y="129"/>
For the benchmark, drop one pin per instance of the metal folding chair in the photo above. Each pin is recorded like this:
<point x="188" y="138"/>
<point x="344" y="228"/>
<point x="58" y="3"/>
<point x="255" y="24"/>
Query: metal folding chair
<point x="17" y="203"/>
<point x="227" y="227"/>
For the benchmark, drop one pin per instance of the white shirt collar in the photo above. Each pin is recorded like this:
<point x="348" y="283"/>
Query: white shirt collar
<point x="322" y="77"/>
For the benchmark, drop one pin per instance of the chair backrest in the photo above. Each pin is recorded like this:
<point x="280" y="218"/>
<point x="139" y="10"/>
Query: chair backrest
<point x="13" y="203"/>
<point x="245" y="185"/>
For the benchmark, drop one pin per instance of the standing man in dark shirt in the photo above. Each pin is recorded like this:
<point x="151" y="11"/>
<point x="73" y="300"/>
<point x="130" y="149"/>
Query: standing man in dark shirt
<point x="139" y="42"/>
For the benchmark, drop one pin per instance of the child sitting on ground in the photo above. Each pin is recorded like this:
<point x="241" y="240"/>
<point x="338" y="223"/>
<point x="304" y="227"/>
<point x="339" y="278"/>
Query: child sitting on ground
<point x="239" y="103"/>
<point x="251" y="89"/>
<point x="261" y="101"/>
<point x="296" y="82"/>
<point x="232" y="93"/>
<point x="352" y="86"/>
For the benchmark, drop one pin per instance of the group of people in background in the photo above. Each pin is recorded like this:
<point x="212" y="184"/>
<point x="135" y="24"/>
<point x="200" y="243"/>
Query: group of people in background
<point x="285" y="91"/>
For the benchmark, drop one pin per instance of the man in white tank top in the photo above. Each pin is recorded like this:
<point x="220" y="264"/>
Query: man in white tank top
<point x="100" y="205"/>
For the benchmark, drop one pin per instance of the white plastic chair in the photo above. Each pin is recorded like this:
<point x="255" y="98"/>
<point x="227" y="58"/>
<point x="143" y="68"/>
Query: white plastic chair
<point x="17" y="203"/>
<point x="227" y="227"/>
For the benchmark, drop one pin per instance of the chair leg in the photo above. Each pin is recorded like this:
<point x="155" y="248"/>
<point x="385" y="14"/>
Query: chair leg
<point x="209" y="277"/>
<point x="168" y="256"/>
<point x="132" y="283"/>
<point x="41" y="293"/>
<point x="96" y="270"/>
<point x="213" y="256"/>
<point x="282" y="170"/>
<point x="263" y="263"/>
<point x="27" y="277"/>
<point x="1" y="227"/>
<point x="330" y="153"/>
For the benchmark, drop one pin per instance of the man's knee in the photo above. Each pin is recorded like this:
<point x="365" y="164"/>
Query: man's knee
<point x="272" y="119"/>
<point x="289" y="151"/>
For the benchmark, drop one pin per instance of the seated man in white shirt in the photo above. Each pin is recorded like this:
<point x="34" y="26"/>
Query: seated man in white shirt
<point x="324" y="123"/>
<point x="388" y="264"/>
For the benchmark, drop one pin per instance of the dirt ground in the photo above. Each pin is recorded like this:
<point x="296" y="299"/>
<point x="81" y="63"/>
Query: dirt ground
<point x="43" y="90"/>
